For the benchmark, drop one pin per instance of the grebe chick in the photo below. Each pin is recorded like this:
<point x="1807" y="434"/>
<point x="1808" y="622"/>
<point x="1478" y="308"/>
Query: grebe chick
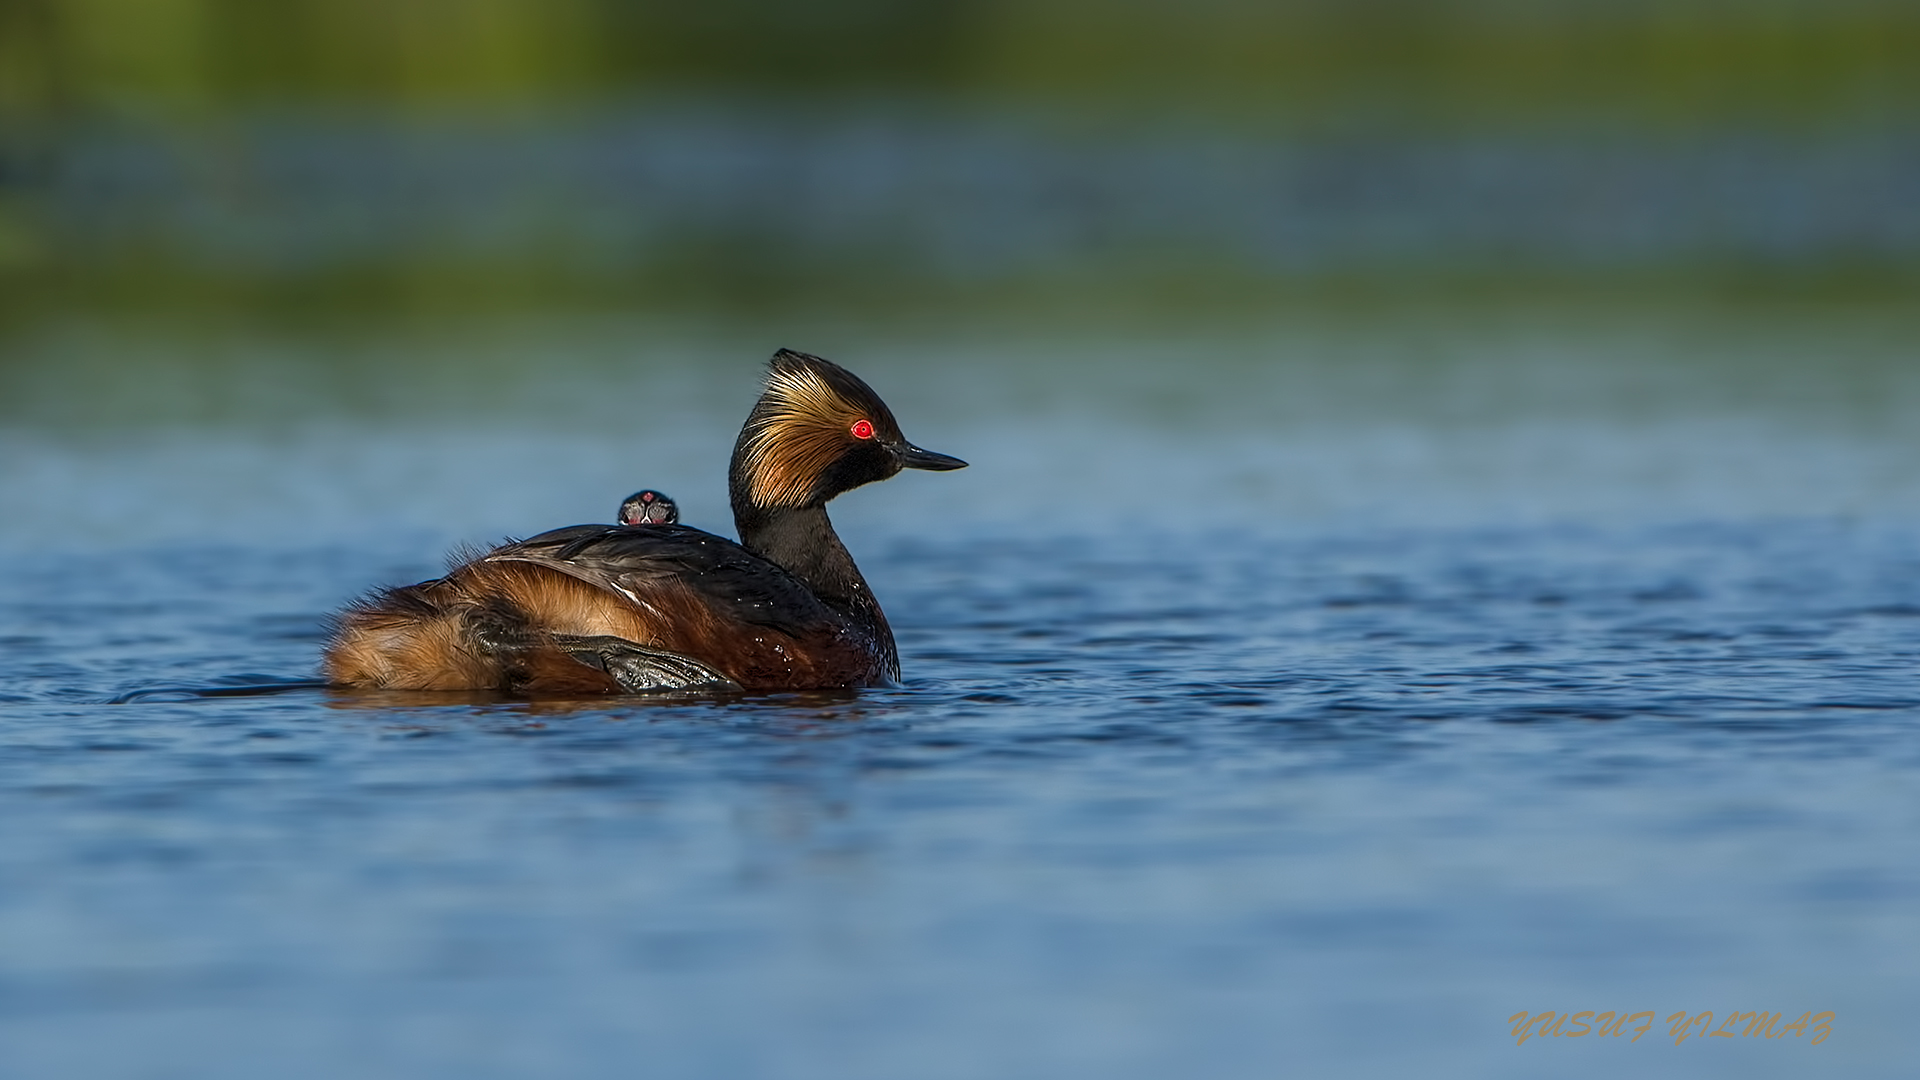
<point x="649" y="507"/>
<point x="596" y="609"/>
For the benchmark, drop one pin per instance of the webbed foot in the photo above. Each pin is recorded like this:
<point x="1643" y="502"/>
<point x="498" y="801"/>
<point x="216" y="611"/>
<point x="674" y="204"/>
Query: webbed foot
<point x="640" y="669"/>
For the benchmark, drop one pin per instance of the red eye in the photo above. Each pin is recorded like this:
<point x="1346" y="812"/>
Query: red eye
<point x="862" y="429"/>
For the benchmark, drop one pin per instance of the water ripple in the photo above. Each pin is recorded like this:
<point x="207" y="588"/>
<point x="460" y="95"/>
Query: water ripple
<point x="1446" y="774"/>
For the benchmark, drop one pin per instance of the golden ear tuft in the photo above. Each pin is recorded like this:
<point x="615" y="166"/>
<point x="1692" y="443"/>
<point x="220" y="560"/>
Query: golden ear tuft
<point x="800" y="427"/>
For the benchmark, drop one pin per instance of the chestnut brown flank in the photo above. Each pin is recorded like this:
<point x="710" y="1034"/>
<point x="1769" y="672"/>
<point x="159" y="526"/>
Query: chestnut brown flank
<point x="435" y="638"/>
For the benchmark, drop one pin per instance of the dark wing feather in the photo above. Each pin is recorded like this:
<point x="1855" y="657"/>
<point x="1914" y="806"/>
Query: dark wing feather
<point x="736" y="582"/>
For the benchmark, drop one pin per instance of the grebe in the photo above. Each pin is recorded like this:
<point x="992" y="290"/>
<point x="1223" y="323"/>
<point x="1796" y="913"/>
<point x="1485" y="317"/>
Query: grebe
<point x="597" y="609"/>
<point x="649" y="507"/>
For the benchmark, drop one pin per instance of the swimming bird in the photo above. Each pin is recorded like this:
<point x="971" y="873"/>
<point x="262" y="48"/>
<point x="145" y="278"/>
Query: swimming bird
<point x="597" y="609"/>
<point x="649" y="507"/>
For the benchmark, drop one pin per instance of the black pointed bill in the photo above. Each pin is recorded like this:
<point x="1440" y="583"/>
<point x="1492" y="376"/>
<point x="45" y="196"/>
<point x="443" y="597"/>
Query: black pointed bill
<point x="913" y="457"/>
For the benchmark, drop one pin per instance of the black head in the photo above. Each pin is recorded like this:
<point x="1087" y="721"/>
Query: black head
<point x="648" y="507"/>
<point x="817" y="431"/>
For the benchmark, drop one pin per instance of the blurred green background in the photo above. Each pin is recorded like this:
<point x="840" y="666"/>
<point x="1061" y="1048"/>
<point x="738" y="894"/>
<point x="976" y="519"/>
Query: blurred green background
<point x="180" y="175"/>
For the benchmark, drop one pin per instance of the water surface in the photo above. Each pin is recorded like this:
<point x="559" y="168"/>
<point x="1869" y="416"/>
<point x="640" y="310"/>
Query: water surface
<point x="1303" y="719"/>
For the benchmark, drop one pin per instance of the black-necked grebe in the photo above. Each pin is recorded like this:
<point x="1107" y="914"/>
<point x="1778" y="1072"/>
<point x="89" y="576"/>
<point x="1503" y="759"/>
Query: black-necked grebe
<point x="649" y="507"/>
<point x="608" y="609"/>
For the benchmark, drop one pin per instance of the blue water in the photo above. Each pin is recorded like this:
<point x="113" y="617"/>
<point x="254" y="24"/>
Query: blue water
<point x="1306" y="705"/>
<point x="1166" y="801"/>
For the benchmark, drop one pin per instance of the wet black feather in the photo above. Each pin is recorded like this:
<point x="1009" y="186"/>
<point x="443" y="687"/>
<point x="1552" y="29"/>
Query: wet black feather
<point x="732" y="580"/>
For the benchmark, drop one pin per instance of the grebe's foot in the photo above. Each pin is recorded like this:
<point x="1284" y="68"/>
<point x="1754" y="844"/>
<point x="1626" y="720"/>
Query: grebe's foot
<point x="640" y="669"/>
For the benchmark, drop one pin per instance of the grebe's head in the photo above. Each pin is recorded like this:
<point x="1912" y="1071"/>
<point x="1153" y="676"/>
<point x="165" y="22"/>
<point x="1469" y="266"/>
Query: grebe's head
<point x="817" y="431"/>
<point x="648" y="507"/>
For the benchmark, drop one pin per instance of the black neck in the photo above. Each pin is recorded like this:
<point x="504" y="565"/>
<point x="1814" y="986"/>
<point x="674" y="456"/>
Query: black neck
<point x="801" y="541"/>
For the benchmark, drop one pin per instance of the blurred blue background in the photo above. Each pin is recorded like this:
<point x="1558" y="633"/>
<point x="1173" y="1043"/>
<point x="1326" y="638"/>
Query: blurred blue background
<point x="1234" y="216"/>
<point x="1440" y="537"/>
